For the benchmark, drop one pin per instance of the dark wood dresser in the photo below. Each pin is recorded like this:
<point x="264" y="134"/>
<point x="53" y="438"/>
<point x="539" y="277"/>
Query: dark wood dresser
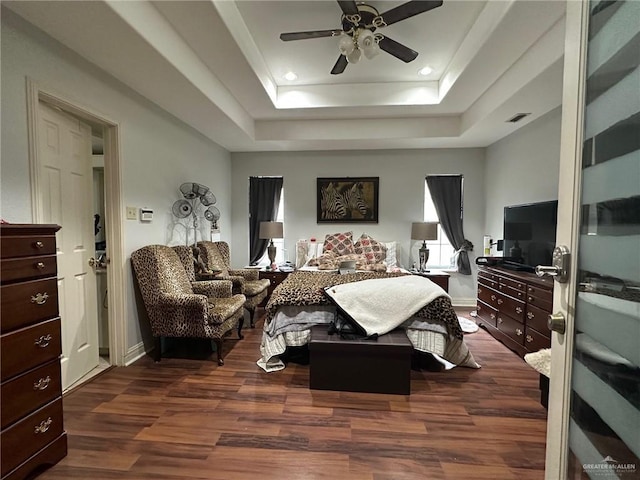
<point x="514" y="306"/>
<point x="32" y="435"/>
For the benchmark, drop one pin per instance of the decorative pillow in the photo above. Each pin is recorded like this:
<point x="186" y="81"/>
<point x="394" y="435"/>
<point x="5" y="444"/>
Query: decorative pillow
<point x="391" y="259"/>
<point x="373" y="250"/>
<point x="339" y="243"/>
<point x="326" y="261"/>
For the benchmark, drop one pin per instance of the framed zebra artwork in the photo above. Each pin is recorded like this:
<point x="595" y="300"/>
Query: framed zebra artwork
<point x="347" y="200"/>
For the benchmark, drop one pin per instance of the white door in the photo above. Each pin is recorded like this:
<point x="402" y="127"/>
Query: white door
<point x="593" y="428"/>
<point x="66" y="183"/>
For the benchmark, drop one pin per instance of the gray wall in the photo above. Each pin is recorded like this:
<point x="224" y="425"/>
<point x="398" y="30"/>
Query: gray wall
<point x="522" y="168"/>
<point x="158" y="152"/>
<point x="401" y="173"/>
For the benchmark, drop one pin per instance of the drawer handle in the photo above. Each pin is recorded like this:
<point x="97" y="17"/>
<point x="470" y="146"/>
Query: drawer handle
<point x="44" y="426"/>
<point x="493" y="297"/>
<point x="530" y="315"/>
<point x="39" y="265"/>
<point x="42" y="384"/>
<point x="500" y="302"/>
<point x="40" y="298"/>
<point x="39" y="244"/>
<point x="479" y="308"/>
<point x="530" y="299"/>
<point x="518" y="332"/>
<point x="493" y="316"/>
<point x="529" y="339"/>
<point x="43" y="341"/>
<point x="518" y="310"/>
<point x="500" y="320"/>
<point x="479" y="290"/>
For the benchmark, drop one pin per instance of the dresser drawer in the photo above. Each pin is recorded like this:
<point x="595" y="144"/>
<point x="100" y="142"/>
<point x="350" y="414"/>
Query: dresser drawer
<point x="488" y="296"/>
<point x="30" y="434"/>
<point x="512" y="292"/>
<point x="511" y="306"/>
<point x="28" y="267"/>
<point x="29" y="347"/>
<point x="511" y="327"/>
<point x="28" y="302"/>
<point x="28" y="245"/>
<point x="542" y="294"/>
<point x="29" y="391"/>
<point x="514" y="284"/>
<point x="488" y="275"/>
<point x="487" y="282"/>
<point x="537" y="318"/>
<point x="487" y="313"/>
<point x="534" y="340"/>
<point x="540" y="302"/>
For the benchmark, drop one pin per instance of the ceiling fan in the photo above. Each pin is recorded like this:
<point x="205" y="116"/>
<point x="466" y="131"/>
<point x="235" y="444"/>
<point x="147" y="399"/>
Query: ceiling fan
<point x="358" y="34"/>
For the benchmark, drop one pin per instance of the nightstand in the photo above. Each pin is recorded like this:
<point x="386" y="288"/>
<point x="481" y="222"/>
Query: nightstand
<point x="438" y="277"/>
<point x="276" y="277"/>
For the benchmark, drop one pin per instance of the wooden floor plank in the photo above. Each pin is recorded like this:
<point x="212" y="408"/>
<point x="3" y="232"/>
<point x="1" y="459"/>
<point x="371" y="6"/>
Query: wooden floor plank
<point x="189" y="419"/>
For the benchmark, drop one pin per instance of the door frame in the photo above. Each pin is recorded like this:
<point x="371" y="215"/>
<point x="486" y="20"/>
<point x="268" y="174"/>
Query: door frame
<point x="567" y="233"/>
<point x="113" y="201"/>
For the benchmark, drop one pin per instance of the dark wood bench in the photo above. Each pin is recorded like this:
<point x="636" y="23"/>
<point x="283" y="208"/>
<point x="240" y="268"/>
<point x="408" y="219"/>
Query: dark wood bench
<point x="359" y="365"/>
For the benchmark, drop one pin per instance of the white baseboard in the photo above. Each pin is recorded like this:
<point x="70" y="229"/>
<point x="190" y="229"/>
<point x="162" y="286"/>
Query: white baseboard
<point x="134" y="353"/>
<point x="464" y="302"/>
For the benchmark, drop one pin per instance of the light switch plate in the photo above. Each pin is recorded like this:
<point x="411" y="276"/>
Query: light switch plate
<point x="132" y="213"/>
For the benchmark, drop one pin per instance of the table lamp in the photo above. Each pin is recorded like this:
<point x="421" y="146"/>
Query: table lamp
<point x="424" y="231"/>
<point x="269" y="231"/>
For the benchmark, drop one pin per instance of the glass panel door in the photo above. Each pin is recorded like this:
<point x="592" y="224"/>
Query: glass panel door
<point x="604" y="423"/>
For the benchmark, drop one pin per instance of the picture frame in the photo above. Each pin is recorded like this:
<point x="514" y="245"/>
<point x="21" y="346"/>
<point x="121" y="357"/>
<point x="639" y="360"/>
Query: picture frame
<point x="347" y="199"/>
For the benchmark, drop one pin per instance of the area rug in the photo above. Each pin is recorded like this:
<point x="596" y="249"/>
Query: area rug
<point x="467" y="326"/>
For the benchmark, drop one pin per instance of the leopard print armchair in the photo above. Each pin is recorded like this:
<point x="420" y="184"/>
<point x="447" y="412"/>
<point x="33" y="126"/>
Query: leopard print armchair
<point x="216" y="257"/>
<point x="176" y="307"/>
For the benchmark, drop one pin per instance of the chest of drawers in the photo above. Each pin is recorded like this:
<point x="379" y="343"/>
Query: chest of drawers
<point x="514" y="306"/>
<point x="32" y="435"/>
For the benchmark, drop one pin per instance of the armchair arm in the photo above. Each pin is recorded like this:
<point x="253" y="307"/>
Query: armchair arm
<point x="183" y="300"/>
<point x="213" y="288"/>
<point x="246" y="273"/>
<point x="238" y="283"/>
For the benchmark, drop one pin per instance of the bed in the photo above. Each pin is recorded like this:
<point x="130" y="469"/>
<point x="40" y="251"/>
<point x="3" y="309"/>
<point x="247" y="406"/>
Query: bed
<point x="299" y="303"/>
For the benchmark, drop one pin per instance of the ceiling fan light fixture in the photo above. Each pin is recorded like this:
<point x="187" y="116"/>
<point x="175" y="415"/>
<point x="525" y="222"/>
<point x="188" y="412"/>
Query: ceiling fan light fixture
<point x="368" y="43"/>
<point x="354" y="56"/>
<point x="346" y="45"/>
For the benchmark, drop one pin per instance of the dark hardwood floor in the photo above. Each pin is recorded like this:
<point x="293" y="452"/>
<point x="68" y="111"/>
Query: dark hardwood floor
<point x="190" y="419"/>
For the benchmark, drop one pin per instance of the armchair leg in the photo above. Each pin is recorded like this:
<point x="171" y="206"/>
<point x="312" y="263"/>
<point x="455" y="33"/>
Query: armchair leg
<point x="219" y="351"/>
<point x="252" y="312"/>
<point x="240" y="324"/>
<point x="157" y="350"/>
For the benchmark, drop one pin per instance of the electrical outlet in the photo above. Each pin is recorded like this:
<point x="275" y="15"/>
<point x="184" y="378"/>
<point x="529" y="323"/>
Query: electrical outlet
<point x="132" y="213"/>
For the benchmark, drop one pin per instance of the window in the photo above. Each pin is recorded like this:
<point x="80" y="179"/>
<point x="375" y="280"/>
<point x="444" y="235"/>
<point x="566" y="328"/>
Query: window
<point x="278" y="242"/>
<point x="440" y="250"/>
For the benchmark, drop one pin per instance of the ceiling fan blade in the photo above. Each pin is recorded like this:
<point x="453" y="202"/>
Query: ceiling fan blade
<point x="286" y="37"/>
<point x="348" y="7"/>
<point x="409" y="9"/>
<point x="340" y="65"/>
<point x="397" y="50"/>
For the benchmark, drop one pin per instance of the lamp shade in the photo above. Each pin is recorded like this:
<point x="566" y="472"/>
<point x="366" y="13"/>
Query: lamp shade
<point x="424" y="231"/>
<point x="269" y="230"/>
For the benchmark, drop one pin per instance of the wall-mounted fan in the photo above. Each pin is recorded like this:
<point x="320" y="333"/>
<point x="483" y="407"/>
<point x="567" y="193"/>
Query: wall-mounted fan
<point x="196" y="197"/>
<point x="358" y="34"/>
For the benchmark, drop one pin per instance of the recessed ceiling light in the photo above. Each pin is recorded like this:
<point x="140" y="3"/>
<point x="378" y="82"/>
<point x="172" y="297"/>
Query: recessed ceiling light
<point x="424" y="71"/>
<point x="290" y="76"/>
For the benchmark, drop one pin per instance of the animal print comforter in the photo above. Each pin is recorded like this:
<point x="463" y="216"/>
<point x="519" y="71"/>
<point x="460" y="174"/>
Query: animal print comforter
<point x="306" y="289"/>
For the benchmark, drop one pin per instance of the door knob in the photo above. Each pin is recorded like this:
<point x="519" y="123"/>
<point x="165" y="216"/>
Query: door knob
<point x="556" y="322"/>
<point x="559" y="268"/>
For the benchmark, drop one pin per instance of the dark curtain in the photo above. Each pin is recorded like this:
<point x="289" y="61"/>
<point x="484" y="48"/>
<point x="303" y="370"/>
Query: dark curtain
<point x="264" y="198"/>
<point x="446" y="193"/>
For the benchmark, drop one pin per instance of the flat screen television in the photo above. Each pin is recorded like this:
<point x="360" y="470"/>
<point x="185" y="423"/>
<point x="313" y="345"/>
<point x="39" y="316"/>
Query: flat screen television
<point x="529" y="234"/>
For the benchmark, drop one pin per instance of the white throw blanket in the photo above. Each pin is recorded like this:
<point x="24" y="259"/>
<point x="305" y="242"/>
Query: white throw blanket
<point x="379" y="305"/>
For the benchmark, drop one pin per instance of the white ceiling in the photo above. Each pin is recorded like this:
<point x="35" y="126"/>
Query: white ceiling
<point x="219" y="66"/>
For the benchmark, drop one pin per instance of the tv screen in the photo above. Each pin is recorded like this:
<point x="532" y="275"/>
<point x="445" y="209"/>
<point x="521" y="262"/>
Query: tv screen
<point x="530" y="234"/>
